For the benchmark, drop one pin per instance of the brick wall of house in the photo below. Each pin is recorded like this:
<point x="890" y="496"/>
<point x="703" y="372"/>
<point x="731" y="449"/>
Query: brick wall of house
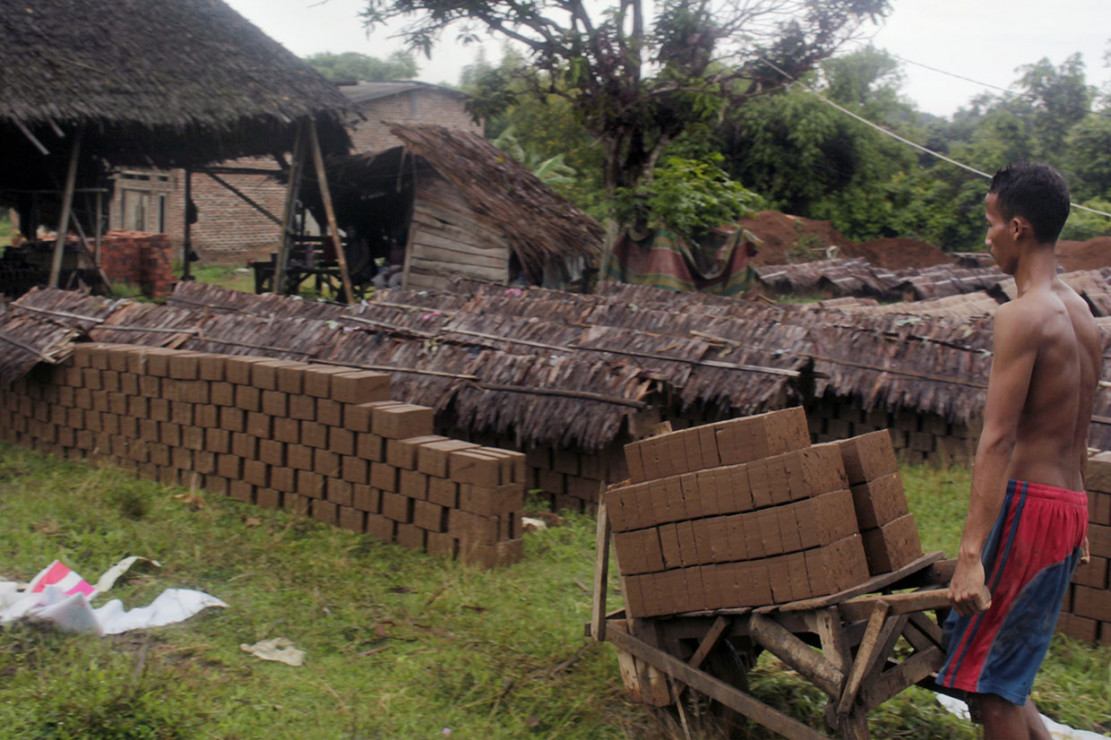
<point x="415" y="106"/>
<point x="228" y="229"/>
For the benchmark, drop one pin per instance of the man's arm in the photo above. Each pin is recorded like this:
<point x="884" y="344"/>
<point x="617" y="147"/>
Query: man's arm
<point x="1016" y="349"/>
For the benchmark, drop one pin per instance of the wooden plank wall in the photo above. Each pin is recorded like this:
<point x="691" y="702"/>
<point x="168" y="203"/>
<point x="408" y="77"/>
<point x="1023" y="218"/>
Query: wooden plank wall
<point x="447" y="239"/>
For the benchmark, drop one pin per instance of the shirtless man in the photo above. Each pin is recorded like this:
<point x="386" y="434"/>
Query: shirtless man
<point x="1026" y="529"/>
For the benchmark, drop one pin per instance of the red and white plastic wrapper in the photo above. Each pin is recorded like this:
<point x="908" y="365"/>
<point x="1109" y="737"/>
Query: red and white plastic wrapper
<point x="59" y="595"/>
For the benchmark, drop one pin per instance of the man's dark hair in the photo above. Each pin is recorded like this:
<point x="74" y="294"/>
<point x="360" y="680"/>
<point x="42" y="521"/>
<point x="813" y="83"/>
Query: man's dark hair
<point x="1037" y="192"/>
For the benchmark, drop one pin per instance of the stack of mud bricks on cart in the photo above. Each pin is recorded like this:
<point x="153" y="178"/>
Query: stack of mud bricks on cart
<point x="318" y="440"/>
<point x="1086" y="613"/>
<point x="746" y="513"/>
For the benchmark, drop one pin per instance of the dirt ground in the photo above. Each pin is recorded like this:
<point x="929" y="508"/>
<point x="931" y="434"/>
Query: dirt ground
<point x="796" y="239"/>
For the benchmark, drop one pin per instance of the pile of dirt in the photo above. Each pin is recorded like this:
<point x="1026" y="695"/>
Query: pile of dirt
<point x="787" y="239"/>
<point x="1090" y="255"/>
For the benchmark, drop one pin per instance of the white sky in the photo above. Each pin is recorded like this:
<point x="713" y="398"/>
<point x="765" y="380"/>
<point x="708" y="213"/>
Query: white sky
<point x="985" y="40"/>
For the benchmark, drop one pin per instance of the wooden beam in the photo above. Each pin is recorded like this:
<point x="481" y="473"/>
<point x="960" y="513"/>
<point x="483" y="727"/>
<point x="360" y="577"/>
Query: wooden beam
<point x="715" y="689"/>
<point x="865" y="657"/>
<point x="240" y="171"/>
<point x="329" y="212"/>
<point x="797" y="654"/>
<point x="67" y="204"/>
<point x="601" y="569"/>
<point x="904" y="603"/>
<point x="873" y="584"/>
<point x="912" y="670"/>
<point x="295" y="168"/>
<point x="244" y="197"/>
<point x="187" y="228"/>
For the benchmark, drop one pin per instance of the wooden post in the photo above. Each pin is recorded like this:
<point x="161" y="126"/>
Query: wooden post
<point x="326" y="196"/>
<point x="187" y="238"/>
<point x="67" y="204"/>
<point x="296" y="162"/>
<point x="97" y="227"/>
<point x="601" y="569"/>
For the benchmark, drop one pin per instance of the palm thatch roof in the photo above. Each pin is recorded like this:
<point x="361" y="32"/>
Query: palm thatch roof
<point x="154" y="83"/>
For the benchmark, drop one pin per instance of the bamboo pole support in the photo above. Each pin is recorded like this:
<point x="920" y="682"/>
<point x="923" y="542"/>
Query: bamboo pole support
<point x="326" y="196"/>
<point x="67" y="205"/>
<point x="296" y="162"/>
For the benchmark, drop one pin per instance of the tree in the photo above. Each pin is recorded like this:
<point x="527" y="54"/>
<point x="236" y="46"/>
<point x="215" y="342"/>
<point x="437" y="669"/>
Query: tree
<point x="636" y="80"/>
<point x="352" y="66"/>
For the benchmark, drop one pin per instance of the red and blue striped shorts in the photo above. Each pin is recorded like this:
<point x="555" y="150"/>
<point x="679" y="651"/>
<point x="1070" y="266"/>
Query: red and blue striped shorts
<point x="1029" y="559"/>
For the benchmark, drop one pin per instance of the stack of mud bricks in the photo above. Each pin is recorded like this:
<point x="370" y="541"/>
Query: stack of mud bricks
<point x="138" y="258"/>
<point x="318" y="440"/>
<point x="742" y="513"/>
<point x="1086" y="613"/>
<point x="572" y="479"/>
<point x="917" y="437"/>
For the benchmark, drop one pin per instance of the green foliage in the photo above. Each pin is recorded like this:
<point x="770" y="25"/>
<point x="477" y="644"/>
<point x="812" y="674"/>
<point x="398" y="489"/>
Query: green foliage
<point x="1083" y="225"/>
<point x="5" y="229"/>
<point x="689" y="197"/>
<point x="352" y="66"/>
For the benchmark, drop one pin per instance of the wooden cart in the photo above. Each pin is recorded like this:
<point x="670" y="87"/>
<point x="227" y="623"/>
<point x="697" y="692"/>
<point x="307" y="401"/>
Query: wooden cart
<point x="844" y="644"/>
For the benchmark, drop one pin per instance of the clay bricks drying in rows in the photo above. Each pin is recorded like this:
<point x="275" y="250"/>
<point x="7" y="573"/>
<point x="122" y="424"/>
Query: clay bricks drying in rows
<point x="318" y="440"/>
<point x="1086" y="613"/>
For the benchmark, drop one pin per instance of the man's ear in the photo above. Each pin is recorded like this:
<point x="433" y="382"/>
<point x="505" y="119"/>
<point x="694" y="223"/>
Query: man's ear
<point x="1020" y="225"/>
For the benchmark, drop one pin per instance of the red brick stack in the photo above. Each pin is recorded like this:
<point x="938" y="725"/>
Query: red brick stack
<point x="1086" y="614"/>
<point x="319" y="440"/>
<point x="739" y="513"/>
<point x="890" y="535"/>
<point x="138" y="258"/>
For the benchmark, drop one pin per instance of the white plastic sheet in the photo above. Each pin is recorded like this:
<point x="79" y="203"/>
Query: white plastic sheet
<point x="1056" y="731"/>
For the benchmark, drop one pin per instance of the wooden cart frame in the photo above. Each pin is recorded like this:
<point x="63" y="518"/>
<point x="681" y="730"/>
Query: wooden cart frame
<point x="844" y="644"/>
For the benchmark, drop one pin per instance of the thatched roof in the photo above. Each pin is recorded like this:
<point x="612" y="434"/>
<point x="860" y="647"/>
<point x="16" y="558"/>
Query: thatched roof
<point x="155" y="83"/>
<point x="549" y="367"/>
<point x="538" y="223"/>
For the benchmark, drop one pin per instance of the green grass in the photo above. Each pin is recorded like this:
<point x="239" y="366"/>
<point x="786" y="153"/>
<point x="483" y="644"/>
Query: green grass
<point x="399" y="644"/>
<point x="226" y="276"/>
<point x="5" y="230"/>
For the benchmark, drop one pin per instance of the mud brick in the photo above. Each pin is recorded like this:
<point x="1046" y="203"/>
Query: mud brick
<point x="753" y="536"/>
<point x="583" y="488"/>
<point x="255" y="472"/>
<point x="892" y="546"/>
<point x="290" y="377"/>
<point x="206" y="416"/>
<point x="724" y="539"/>
<point x="354" y="469"/>
<point x="264" y="375"/>
<point x="117" y="404"/>
<point x="274" y="403"/>
<point x="771" y="539"/>
<point x="67" y="438"/>
<point x="565" y="461"/>
<point x="329" y="412"/>
<point x="326" y="463"/>
<point x="100" y="403"/>
<point x="869" y="456"/>
<point x="638" y="551"/>
<point x="241" y="490"/>
<point x="879" y="501"/>
<point x="1092" y="603"/>
<point x="429" y="516"/>
<point x="1097" y="476"/>
<point x="370" y="447"/>
<point x="440" y="544"/>
<point x="539" y="457"/>
<point x="443" y="492"/>
<point x="149" y="387"/>
<point x="635" y="460"/>
<point x="357" y="417"/>
<point x="432" y="457"/>
<point x="341" y="441"/>
<point x="339" y="492"/>
<point x="397" y="507"/>
<point x="1099" y="508"/>
<point x="365" y="498"/>
<point x="789" y="530"/>
<point x="360" y="386"/>
<point x="1078" y="628"/>
<point x="129" y="384"/>
<point x="401" y="421"/>
<point x="237" y="370"/>
<point x="779" y="486"/>
<point x="471" y="529"/>
<point x="669" y="546"/>
<point x="217" y="441"/>
<point x="760" y="483"/>
<point x="302" y="408"/>
<point x="403" y="453"/>
<point x="204" y="462"/>
<point x="625" y="508"/>
<point x="325" y="511"/>
<point x="835" y="516"/>
<point x="1099" y="540"/>
<point x="299" y="457"/>
<point x="296" y="504"/>
<point x="90" y="378"/>
<point x="477" y="467"/>
<point x="286" y="430"/>
<point x="716" y="492"/>
<point x="216" y="485"/>
<point x="412" y="484"/>
<point x="314" y="434"/>
<point x="109" y="381"/>
<point x="232" y="419"/>
<point x="229" y="466"/>
<point x="83" y="399"/>
<point x="823" y="469"/>
<point x="693" y="503"/>
<point x="283" y="479"/>
<point x="384" y="477"/>
<point x="185" y="365"/>
<point x="310" y="484"/>
<point x="259" y="426"/>
<point x="244" y="445"/>
<point x="137" y="449"/>
<point x="672" y="588"/>
<point x="352" y="519"/>
<point x="159" y="453"/>
<point x="1093" y="573"/>
<point x="317" y="380"/>
<point x="172" y="434"/>
<point x="751" y="584"/>
<point x="500" y="500"/>
<point x="248" y="398"/>
<point x="148" y="430"/>
<point x="491" y="556"/>
<point x="137" y="407"/>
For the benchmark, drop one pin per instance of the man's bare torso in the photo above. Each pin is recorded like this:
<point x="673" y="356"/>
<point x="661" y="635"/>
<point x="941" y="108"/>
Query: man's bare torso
<point x="1051" y="442"/>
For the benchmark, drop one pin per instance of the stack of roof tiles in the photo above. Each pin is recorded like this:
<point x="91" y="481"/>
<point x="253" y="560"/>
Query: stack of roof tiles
<point x="746" y="513"/>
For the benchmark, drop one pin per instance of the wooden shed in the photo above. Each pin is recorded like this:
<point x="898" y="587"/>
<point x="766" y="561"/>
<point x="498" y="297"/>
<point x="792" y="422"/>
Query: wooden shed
<point x="449" y="204"/>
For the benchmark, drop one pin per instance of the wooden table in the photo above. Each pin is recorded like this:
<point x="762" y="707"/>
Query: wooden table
<point x="844" y="644"/>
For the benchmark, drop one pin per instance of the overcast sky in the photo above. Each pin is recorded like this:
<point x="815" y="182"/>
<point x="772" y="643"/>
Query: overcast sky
<point x="985" y="40"/>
